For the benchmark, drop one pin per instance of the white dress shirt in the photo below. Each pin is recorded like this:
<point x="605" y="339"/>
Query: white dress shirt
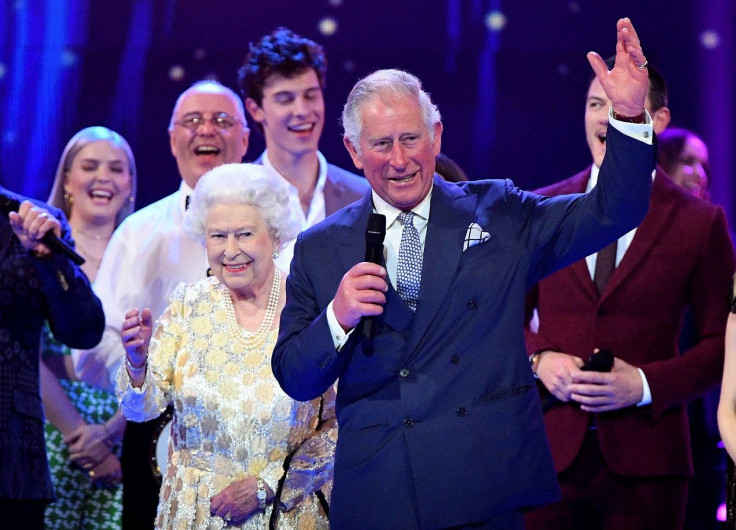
<point x="147" y="257"/>
<point x="642" y="132"/>
<point x="314" y="215"/>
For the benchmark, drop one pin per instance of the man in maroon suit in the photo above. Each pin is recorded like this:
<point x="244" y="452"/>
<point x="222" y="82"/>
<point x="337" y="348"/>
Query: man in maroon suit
<point x="619" y="439"/>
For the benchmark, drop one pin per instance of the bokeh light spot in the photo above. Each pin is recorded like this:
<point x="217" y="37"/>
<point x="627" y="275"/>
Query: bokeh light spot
<point x="496" y="20"/>
<point x="327" y="26"/>
<point x="69" y="58"/>
<point x="710" y="39"/>
<point x="176" y="73"/>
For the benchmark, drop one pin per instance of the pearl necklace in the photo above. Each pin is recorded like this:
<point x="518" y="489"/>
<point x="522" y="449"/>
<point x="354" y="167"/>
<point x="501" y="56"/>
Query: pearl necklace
<point x="251" y="339"/>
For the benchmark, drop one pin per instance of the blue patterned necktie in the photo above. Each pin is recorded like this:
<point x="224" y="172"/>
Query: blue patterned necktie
<point x="409" y="270"/>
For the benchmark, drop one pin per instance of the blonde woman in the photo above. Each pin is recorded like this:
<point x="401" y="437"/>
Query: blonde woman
<point x="95" y="187"/>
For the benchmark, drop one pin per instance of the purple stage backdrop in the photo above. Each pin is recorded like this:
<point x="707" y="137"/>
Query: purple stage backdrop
<point x="509" y="77"/>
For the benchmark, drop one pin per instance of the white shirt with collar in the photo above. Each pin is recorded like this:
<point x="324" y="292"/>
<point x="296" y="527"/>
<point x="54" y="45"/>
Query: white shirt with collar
<point x="391" y="244"/>
<point x="316" y="213"/>
<point x="147" y="257"/>
<point x="642" y="132"/>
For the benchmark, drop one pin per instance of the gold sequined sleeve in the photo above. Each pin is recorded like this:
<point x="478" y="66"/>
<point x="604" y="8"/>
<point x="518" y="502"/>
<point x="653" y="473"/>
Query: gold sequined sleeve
<point x="312" y="464"/>
<point x="169" y="338"/>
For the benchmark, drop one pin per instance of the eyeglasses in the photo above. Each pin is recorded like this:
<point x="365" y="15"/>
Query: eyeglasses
<point x="221" y="120"/>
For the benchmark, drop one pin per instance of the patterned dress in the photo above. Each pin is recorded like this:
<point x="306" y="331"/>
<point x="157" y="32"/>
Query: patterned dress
<point x="231" y="418"/>
<point x="79" y="504"/>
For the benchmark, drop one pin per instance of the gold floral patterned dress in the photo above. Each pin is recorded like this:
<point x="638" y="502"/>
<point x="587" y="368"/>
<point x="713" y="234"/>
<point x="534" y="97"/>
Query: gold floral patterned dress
<point x="231" y="418"/>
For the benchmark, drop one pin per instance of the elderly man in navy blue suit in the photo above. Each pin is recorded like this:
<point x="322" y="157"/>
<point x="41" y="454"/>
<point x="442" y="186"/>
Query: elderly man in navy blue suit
<point x="440" y="422"/>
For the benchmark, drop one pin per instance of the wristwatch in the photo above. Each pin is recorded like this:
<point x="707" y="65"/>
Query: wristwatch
<point x="261" y="493"/>
<point x="534" y="361"/>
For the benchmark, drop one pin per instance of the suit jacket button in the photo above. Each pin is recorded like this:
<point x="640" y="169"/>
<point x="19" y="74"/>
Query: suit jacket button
<point x="455" y="359"/>
<point x="408" y="422"/>
<point x="472" y="305"/>
<point x="404" y="372"/>
<point x="461" y="411"/>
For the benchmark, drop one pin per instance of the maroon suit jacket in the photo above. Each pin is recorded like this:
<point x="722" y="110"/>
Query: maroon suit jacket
<point x="680" y="257"/>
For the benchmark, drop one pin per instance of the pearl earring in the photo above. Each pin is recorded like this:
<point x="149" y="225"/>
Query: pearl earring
<point x="275" y="254"/>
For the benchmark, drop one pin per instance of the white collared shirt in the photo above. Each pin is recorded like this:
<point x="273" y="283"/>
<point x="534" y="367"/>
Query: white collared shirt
<point x="390" y="250"/>
<point x="316" y="212"/>
<point x="147" y="257"/>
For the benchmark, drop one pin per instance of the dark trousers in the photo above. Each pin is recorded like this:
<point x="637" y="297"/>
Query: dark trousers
<point x="140" y="486"/>
<point x="22" y="514"/>
<point x="593" y="498"/>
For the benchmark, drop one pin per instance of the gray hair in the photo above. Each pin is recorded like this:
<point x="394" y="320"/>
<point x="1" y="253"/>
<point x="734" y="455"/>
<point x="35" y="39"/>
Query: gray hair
<point x="78" y="142"/>
<point x="243" y="184"/>
<point x="209" y="86"/>
<point x="387" y="86"/>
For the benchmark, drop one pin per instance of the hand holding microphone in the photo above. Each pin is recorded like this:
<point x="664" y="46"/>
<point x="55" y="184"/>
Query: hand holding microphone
<point x="37" y="230"/>
<point x="375" y="233"/>
<point x="361" y="292"/>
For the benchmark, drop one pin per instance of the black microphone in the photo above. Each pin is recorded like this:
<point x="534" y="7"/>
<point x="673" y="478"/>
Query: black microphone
<point x="9" y="204"/>
<point x="600" y="361"/>
<point x="375" y="232"/>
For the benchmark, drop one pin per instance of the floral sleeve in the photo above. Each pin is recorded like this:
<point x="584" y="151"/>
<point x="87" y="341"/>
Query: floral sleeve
<point x="150" y="401"/>
<point x="311" y="466"/>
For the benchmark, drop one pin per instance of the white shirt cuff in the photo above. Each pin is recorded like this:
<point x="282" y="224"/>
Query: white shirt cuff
<point x="644" y="132"/>
<point x="646" y="397"/>
<point x="339" y="337"/>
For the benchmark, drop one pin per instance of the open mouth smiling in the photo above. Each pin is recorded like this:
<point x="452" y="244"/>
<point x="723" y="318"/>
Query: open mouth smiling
<point x="206" y="150"/>
<point x="235" y="267"/>
<point x="404" y="178"/>
<point x="304" y="127"/>
<point x="101" y="194"/>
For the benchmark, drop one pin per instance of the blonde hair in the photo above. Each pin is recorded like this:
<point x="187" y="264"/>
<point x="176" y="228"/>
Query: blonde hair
<point x="78" y="142"/>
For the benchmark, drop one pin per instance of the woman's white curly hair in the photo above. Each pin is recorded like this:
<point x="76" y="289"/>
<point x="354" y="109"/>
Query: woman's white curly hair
<point x="243" y="184"/>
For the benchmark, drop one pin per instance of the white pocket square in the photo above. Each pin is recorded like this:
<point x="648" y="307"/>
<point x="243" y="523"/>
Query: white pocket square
<point x="474" y="236"/>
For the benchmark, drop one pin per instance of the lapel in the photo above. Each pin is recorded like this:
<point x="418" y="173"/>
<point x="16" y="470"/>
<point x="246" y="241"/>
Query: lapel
<point x="451" y="212"/>
<point x="662" y="206"/>
<point x="350" y="241"/>
<point x="334" y="192"/>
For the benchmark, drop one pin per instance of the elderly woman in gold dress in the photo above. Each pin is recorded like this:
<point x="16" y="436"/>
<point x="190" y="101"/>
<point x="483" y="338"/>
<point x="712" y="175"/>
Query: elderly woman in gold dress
<point x="239" y="445"/>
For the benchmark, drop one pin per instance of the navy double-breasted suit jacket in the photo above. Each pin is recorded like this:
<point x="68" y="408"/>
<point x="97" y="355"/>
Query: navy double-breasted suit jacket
<point x="441" y="425"/>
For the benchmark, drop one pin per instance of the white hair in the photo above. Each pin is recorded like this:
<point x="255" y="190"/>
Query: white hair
<point x="243" y="184"/>
<point x="386" y="86"/>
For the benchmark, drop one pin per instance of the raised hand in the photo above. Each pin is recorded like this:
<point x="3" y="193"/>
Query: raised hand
<point x="136" y="333"/>
<point x="626" y="84"/>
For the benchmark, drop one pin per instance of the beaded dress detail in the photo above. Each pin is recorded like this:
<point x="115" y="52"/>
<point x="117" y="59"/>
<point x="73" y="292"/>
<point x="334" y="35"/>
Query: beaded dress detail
<point x="231" y="418"/>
